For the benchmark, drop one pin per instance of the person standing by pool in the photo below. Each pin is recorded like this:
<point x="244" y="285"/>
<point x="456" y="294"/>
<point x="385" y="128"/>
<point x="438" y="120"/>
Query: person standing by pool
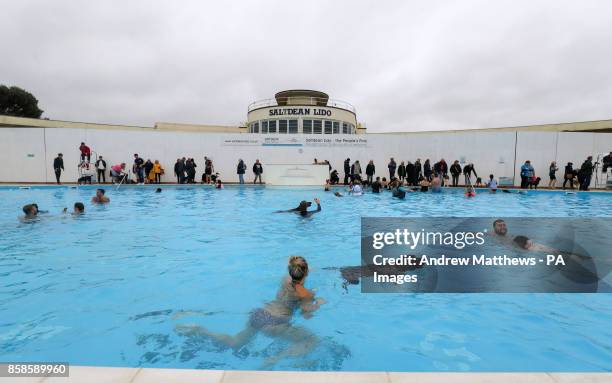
<point x="334" y="178"/>
<point x="427" y="170"/>
<point x="526" y="173"/>
<point x="467" y="173"/>
<point x="417" y="170"/>
<point x="441" y="169"/>
<point x="240" y="170"/>
<point x="455" y="171"/>
<point x="100" y="197"/>
<point x="412" y="175"/>
<point x="209" y="169"/>
<point x="370" y="170"/>
<point x="148" y="171"/>
<point x="85" y="152"/>
<point x="401" y="171"/>
<point x="158" y="171"/>
<point x="606" y="163"/>
<point x="347" y="171"/>
<point x="569" y="175"/>
<point x="356" y="171"/>
<point x="101" y="170"/>
<point x="257" y="170"/>
<point x="552" y="170"/>
<point x="138" y="169"/>
<point x="178" y="170"/>
<point x="190" y="169"/>
<point x="274" y="319"/>
<point x="585" y="173"/>
<point x="58" y="166"/>
<point x="118" y="173"/>
<point x="392" y="166"/>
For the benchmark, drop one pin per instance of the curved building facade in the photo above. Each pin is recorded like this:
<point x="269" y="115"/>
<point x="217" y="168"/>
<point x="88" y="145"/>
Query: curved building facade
<point x="301" y="111"/>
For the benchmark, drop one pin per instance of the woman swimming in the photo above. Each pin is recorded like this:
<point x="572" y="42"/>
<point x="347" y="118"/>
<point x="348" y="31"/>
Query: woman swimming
<point x="274" y="319"/>
<point x="302" y="208"/>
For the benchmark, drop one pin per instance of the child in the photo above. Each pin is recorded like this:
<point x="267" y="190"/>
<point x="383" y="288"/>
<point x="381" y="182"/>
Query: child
<point x="470" y="191"/>
<point x="492" y="184"/>
<point x="219" y="184"/>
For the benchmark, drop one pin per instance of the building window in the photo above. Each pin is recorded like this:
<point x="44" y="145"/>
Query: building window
<point x="282" y="126"/>
<point x="307" y="127"/>
<point x="293" y="126"/>
<point x="345" y="128"/>
<point x="352" y="127"/>
<point x="328" y="127"/>
<point x="272" y="126"/>
<point x="336" y="127"/>
<point x="317" y="127"/>
<point x="264" y="127"/>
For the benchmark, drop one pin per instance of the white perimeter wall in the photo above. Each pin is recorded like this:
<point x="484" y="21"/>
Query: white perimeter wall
<point x="27" y="154"/>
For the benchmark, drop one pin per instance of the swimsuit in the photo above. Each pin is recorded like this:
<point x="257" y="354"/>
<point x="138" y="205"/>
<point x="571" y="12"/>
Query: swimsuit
<point x="260" y="318"/>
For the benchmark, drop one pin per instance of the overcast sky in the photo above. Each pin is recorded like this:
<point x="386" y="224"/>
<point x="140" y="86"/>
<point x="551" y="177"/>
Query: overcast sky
<point x="405" y="65"/>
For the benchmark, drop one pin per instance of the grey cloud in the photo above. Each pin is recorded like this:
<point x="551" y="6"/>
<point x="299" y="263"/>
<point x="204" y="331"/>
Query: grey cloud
<point x="415" y="65"/>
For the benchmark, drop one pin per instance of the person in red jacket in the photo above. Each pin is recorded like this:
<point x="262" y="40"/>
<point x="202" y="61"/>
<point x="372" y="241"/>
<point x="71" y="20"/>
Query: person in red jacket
<point x="85" y="152"/>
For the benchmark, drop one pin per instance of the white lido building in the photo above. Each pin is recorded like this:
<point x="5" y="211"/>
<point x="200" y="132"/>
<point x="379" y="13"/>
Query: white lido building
<point x="301" y="112"/>
<point x="295" y="127"/>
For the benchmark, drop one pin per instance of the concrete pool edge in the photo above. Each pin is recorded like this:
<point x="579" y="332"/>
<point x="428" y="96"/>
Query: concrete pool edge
<point x="70" y="185"/>
<point x="161" y="375"/>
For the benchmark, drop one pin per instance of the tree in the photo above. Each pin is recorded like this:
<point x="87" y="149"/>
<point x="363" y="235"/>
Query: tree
<point x="17" y="102"/>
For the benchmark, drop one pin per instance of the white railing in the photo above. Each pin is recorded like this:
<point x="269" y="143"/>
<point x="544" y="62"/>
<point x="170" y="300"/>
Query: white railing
<point x="310" y="101"/>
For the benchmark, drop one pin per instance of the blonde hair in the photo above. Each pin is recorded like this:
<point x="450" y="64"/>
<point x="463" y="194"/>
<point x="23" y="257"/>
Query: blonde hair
<point x="298" y="268"/>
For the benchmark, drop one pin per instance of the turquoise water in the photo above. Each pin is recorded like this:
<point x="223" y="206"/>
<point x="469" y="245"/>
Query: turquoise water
<point x="109" y="287"/>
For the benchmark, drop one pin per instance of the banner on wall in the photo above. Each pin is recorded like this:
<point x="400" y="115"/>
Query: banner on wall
<point x="290" y="140"/>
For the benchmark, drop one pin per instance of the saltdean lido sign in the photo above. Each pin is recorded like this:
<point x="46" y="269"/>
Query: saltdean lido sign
<point x="300" y="112"/>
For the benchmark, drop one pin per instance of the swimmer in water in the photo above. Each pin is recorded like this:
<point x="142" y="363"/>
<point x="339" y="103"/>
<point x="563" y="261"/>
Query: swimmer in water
<point x="79" y="209"/>
<point x="158" y="190"/>
<point x="327" y="186"/>
<point x="302" y="209"/>
<point x="338" y="194"/>
<point x="424" y="184"/>
<point x="274" y="319"/>
<point x="30" y="211"/>
<point x="470" y="191"/>
<point x="356" y="188"/>
<point x="436" y="184"/>
<point x="500" y="231"/>
<point x="100" y="197"/>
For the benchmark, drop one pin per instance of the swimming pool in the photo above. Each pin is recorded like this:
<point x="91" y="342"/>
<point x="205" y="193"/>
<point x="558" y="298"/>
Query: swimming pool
<point x="109" y="288"/>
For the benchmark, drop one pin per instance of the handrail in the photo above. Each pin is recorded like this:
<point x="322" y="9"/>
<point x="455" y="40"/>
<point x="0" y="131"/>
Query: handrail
<point x="125" y="176"/>
<point x="306" y="101"/>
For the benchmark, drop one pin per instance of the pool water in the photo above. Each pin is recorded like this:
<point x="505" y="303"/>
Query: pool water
<point x="110" y="287"/>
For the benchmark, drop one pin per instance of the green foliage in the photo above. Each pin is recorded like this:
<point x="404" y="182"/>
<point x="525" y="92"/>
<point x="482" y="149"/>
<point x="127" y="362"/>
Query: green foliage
<point x="17" y="102"/>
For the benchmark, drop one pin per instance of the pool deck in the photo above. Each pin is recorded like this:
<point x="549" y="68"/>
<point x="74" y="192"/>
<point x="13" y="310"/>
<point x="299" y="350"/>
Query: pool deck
<point x="156" y="375"/>
<point x="42" y="185"/>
